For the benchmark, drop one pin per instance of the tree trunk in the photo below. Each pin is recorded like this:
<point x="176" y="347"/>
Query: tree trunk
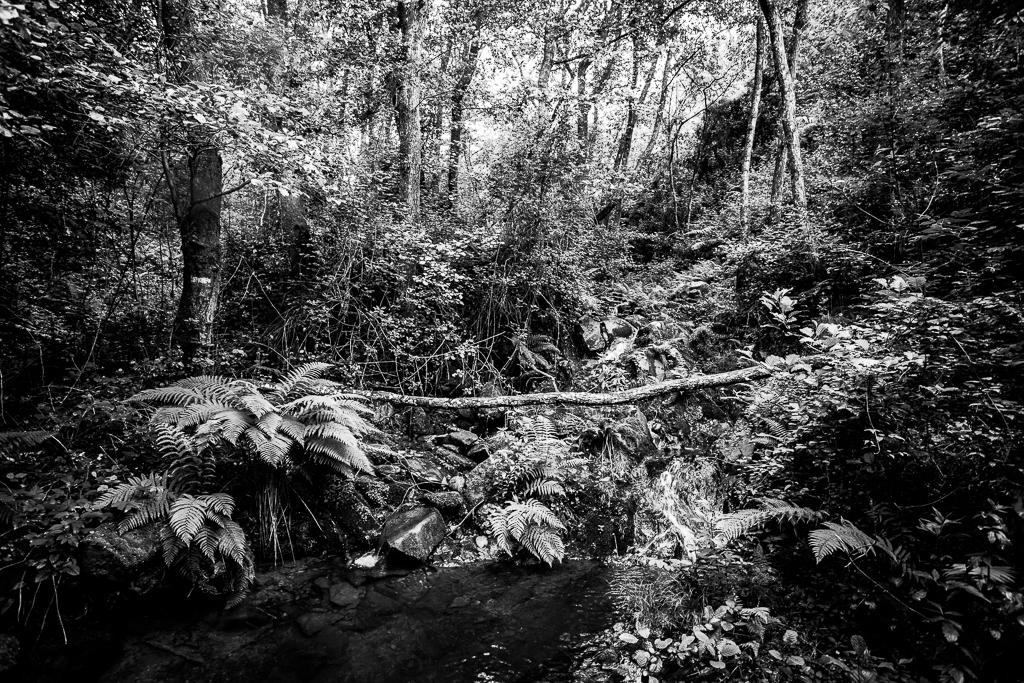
<point x="406" y="94"/>
<point x="788" y="94"/>
<point x="583" y="107"/>
<point x="634" y="103"/>
<point x="457" y="112"/>
<point x="782" y="155"/>
<point x="636" y="395"/>
<point x="748" y="152"/>
<point x="201" y="253"/>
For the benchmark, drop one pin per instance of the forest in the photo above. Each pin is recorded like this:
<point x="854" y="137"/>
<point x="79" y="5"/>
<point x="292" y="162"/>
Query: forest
<point x="528" y="341"/>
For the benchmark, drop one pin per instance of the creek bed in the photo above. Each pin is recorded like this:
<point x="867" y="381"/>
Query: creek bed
<point x="315" y="622"/>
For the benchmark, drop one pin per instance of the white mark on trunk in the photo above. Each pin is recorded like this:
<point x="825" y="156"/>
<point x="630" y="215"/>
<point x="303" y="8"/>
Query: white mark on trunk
<point x="202" y="280"/>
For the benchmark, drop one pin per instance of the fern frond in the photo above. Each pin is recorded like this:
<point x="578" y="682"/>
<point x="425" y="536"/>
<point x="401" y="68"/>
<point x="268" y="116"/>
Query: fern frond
<point x="188" y="514"/>
<point x="340" y="452"/>
<point x="172" y="395"/>
<point x="533" y="511"/>
<point x="543" y="487"/>
<point x="836" y="537"/>
<point x="305" y="371"/>
<point x="13" y="441"/>
<point x="732" y="525"/>
<point x="545" y="544"/>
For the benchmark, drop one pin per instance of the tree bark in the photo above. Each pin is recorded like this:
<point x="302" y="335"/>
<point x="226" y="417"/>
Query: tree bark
<point x="199" y="221"/>
<point x="457" y="112"/>
<point x="574" y="397"/>
<point x="407" y="95"/>
<point x="784" y="151"/>
<point x="201" y="253"/>
<point x="582" y="105"/>
<point x="748" y="152"/>
<point x="633" y="104"/>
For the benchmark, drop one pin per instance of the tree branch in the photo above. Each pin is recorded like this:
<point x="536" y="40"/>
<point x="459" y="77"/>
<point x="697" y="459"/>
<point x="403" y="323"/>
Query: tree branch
<point x="576" y="397"/>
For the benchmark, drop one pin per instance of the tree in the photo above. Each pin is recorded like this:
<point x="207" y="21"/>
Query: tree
<point x="781" y="154"/>
<point x="467" y="68"/>
<point x="199" y="221"/>
<point x="748" y="151"/>
<point x="406" y="96"/>
<point x="787" y="92"/>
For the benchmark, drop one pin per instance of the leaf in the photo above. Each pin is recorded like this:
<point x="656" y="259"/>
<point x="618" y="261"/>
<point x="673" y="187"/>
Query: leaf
<point x="794" y="660"/>
<point x="629" y="638"/>
<point x="717" y="664"/>
<point x="727" y="648"/>
<point x="776" y="654"/>
<point x="950" y="630"/>
<point x="790" y="637"/>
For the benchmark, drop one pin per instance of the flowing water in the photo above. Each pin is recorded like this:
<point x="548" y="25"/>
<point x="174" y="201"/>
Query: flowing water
<point x="319" y="623"/>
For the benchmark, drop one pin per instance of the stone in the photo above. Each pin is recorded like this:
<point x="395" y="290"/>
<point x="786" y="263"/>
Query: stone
<point x="636" y="436"/>
<point x="462" y="439"/>
<point x="9" y="649"/>
<point x="453" y="460"/>
<point x="591" y="332"/>
<point x="348" y="506"/>
<point x="423" y="470"/>
<point x="420" y="422"/>
<point x="479" y="481"/>
<point x="478" y="452"/>
<point x="312" y="623"/>
<point x="107" y="554"/>
<point x="444" y="500"/>
<point x="416" y="532"/>
<point x="459" y="601"/>
<point x="322" y="582"/>
<point x="617" y="328"/>
<point x="345" y="594"/>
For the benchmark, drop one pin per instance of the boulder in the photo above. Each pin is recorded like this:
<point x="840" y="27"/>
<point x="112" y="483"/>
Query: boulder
<point x="444" y="500"/>
<point x="636" y="436"/>
<point x="590" y="331"/>
<point x="461" y="439"/>
<point x="617" y="328"/>
<point x="9" y="649"/>
<point x="420" y="422"/>
<point x="478" y="452"/>
<point x="351" y="510"/>
<point x="453" y="460"/>
<point x="344" y="594"/>
<point x="479" y="481"/>
<point x="109" y="555"/>
<point x="416" y="532"/>
<point x="423" y="469"/>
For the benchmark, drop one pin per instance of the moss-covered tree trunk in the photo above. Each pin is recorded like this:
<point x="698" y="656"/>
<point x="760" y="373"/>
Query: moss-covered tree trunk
<point x="748" y="151"/>
<point x="201" y="253"/>
<point x="787" y="91"/>
<point x="407" y="97"/>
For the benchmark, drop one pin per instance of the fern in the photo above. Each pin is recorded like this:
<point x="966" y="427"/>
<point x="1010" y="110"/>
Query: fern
<point x="15" y="441"/>
<point x="732" y="525"/>
<point x="530" y="524"/>
<point x="195" y="531"/>
<point x="300" y="418"/>
<point x="846" y="538"/>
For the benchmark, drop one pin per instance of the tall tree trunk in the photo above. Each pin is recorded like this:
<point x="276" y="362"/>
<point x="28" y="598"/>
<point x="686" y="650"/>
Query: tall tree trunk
<point x="748" y="152"/>
<point x="201" y="253"/>
<point x="782" y="155"/>
<point x="582" y="105"/>
<point x="291" y="205"/>
<point x="199" y="220"/>
<point x="406" y="93"/>
<point x="632" y="107"/>
<point x="788" y="94"/>
<point x="457" y="112"/>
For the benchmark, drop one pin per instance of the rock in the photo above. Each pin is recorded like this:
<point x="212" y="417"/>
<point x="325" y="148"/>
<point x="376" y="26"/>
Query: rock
<point x="108" y="555"/>
<point x="479" y="481"/>
<point x="459" y="601"/>
<point x="420" y="422"/>
<point x="312" y="623"/>
<point x="445" y="500"/>
<point x="590" y="330"/>
<point x="345" y="594"/>
<point x="478" y="452"/>
<point x="415" y="532"/>
<point x="424" y="470"/>
<point x="636" y="435"/>
<point x="9" y="649"/>
<point x="617" y="328"/>
<point x="322" y="582"/>
<point x="462" y="439"/>
<point x="449" y="457"/>
<point x="351" y="509"/>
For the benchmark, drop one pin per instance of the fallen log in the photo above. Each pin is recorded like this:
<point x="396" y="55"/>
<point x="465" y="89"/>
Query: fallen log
<point x="579" y="398"/>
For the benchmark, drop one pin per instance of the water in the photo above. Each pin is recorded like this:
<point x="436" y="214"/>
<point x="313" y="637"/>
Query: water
<point x="484" y="622"/>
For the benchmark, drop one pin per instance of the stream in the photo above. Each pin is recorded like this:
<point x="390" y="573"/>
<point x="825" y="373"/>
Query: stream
<point x="316" y="622"/>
